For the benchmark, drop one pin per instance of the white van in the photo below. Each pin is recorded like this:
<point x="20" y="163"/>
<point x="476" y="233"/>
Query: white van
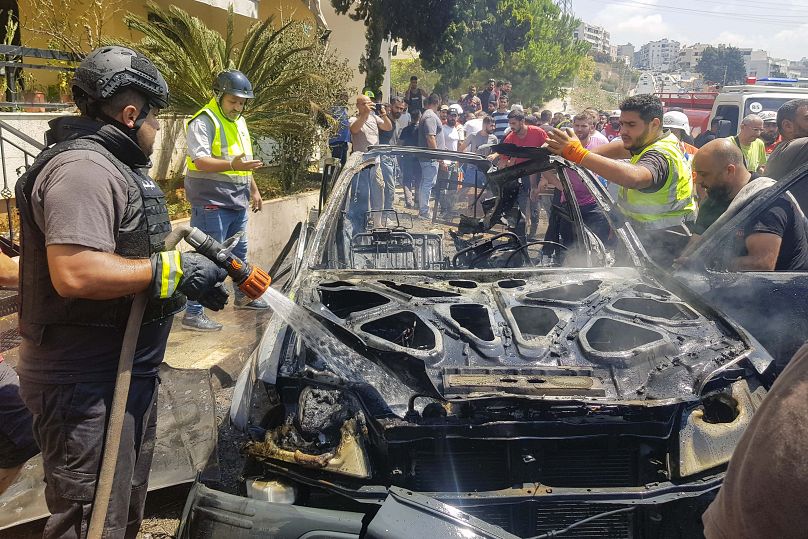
<point x="736" y="102"/>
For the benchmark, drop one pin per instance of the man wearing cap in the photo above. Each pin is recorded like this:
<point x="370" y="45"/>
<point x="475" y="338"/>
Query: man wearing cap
<point x="612" y="129"/>
<point x="219" y="181"/>
<point x="770" y="136"/>
<point x="656" y="186"/>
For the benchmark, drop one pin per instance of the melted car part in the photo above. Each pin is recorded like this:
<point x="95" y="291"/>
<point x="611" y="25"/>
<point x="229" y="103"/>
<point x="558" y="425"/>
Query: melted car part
<point x="347" y="458"/>
<point x="511" y="283"/>
<point x="403" y="328"/>
<point x="534" y="321"/>
<point x="654" y="309"/>
<point x="474" y="318"/>
<point x="419" y="291"/>
<point x="570" y="292"/>
<point x="344" y="303"/>
<point x="463" y="284"/>
<point x="607" y="335"/>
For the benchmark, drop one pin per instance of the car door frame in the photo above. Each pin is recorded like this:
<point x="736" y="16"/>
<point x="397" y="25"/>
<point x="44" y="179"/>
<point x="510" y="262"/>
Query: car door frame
<point x="731" y="292"/>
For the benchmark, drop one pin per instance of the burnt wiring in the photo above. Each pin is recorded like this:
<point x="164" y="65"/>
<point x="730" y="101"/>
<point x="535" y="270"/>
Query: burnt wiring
<point x="556" y="533"/>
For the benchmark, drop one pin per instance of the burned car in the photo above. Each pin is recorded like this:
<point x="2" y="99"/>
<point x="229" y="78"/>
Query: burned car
<point x="442" y="373"/>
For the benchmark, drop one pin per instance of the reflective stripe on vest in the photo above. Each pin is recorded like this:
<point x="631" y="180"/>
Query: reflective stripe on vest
<point x="673" y="203"/>
<point x="231" y="139"/>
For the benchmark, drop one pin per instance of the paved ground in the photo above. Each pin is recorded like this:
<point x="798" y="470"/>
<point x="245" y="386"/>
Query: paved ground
<point x="223" y="353"/>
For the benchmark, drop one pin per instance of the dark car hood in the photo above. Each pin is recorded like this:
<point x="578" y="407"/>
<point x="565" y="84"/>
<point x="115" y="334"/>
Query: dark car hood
<point x="600" y="335"/>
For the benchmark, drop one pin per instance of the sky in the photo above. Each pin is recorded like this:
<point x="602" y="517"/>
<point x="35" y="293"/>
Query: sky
<point x="779" y="27"/>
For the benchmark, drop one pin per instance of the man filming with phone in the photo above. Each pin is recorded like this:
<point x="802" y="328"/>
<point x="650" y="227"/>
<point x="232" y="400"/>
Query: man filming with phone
<point x="367" y="190"/>
<point x="219" y="182"/>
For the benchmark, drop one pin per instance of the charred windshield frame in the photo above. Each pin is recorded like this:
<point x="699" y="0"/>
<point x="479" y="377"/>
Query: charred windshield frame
<point x="584" y="251"/>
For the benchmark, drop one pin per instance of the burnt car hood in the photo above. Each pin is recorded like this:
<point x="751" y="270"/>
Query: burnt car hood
<point x="591" y="335"/>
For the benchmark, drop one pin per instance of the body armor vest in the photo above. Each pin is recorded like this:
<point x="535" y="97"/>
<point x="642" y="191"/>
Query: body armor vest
<point x="144" y="226"/>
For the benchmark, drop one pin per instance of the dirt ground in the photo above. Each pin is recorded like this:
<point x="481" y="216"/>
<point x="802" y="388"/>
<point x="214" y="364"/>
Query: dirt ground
<point x="164" y="507"/>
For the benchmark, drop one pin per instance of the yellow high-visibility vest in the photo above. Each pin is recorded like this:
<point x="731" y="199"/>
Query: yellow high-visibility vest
<point x="230" y="140"/>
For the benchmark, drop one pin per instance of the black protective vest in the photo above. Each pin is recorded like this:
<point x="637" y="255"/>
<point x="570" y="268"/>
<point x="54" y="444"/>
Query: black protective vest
<point x="143" y="228"/>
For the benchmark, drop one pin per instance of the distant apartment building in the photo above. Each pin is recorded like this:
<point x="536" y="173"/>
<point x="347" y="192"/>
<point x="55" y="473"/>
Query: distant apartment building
<point x="625" y="53"/>
<point x="659" y="55"/>
<point x="597" y="36"/>
<point x="690" y="56"/>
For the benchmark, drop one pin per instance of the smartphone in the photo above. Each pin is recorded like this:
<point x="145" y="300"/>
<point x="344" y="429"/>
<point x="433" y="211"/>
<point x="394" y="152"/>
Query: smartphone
<point x="379" y="108"/>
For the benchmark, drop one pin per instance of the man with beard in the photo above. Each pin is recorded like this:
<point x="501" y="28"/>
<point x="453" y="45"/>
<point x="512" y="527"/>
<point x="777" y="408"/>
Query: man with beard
<point x="470" y="102"/>
<point x="219" y="180"/>
<point x="612" y="129"/>
<point x="414" y="96"/>
<point x="93" y="236"/>
<point x="522" y="134"/>
<point x="792" y="152"/>
<point x="488" y="96"/>
<point x="656" y="188"/>
<point x="777" y="239"/>
<point x="770" y="136"/>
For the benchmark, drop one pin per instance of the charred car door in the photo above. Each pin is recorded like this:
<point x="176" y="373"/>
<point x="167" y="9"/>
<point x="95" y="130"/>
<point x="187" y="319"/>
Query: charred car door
<point x="771" y="305"/>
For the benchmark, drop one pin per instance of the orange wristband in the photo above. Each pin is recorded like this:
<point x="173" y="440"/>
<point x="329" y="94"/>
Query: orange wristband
<point x="575" y="152"/>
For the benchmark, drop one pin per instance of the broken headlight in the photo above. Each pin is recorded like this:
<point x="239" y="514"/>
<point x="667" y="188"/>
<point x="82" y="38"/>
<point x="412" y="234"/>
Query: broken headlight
<point x="710" y="432"/>
<point x="328" y="433"/>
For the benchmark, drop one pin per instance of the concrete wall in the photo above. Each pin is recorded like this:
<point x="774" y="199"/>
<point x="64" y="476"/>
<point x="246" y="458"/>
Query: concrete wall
<point x="269" y="229"/>
<point x="169" y="147"/>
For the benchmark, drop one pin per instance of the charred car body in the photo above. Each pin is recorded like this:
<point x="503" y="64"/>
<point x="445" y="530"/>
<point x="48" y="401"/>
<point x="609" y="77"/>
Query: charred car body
<point x="468" y="380"/>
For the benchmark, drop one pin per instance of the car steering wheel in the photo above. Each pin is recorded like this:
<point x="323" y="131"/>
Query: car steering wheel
<point x="528" y="244"/>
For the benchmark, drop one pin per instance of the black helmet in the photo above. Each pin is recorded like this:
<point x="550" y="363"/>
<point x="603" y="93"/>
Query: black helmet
<point x="107" y="70"/>
<point x="233" y="82"/>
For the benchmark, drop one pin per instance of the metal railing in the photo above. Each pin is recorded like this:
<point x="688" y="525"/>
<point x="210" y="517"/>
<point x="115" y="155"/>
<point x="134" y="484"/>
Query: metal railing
<point x="30" y="148"/>
<point x="12" y="62"/>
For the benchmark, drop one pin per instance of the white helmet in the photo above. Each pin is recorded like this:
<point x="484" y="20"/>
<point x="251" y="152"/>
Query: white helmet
<point x="768" y="116"/>
<point x="456" y="108"/>
<point x="614" y="114"/>
<point x="676" y="120"/>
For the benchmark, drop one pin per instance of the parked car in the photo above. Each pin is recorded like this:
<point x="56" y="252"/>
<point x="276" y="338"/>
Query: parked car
<point x="450" y="375"/>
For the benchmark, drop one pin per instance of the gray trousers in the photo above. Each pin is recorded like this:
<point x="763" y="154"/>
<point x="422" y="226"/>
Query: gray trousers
<point x="70" y="424"/>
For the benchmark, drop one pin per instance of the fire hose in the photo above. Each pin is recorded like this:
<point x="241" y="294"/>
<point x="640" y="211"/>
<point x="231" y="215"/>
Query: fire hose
<point x="251" y="280"/>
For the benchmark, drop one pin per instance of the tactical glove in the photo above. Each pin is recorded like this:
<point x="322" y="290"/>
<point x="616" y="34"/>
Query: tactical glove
<point x="190" y="273"/>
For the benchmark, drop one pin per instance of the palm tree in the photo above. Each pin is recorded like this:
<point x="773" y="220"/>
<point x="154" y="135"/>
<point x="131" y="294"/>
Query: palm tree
<point x="293" y="75"/>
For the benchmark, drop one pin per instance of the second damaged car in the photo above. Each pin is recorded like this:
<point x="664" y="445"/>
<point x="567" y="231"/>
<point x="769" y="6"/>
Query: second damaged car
<point x="443" y="373"/>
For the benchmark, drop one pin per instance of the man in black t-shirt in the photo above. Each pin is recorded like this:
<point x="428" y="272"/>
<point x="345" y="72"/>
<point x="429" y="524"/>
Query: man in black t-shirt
<point x="777" y="239"/>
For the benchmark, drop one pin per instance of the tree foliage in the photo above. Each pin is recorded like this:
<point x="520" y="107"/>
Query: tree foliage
<point x="293" y="76"/>
<point x="76" y="26"/>
<point x="526" y="41"/>
<point x="723" y="65"/>
<point x="440" y="30"/>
